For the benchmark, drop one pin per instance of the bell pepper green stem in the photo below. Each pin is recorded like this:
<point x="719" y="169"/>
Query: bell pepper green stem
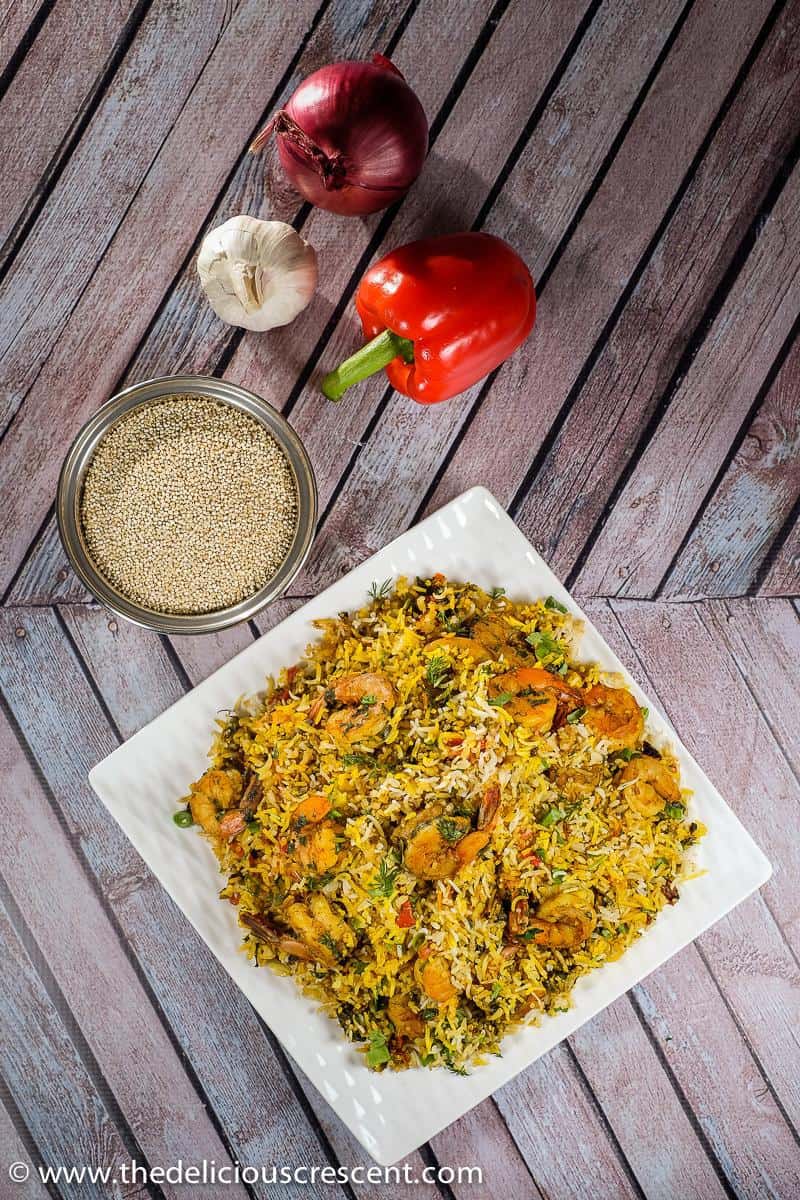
<point x="371" y="358"/>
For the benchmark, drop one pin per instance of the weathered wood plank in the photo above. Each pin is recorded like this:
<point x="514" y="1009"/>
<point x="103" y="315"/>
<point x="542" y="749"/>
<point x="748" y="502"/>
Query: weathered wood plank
<point x="728" y="545"/>
<point x="51" y="1086"/>
<point x="783" y="576"/>
<point x="83" y="953"/>
<point x="232" y="1058"/>
<point x="56" y="81"/>
<point x="409" y="439"/>
<point x="749" y="951"/>
<point x="16" y="17"/>
<point x="46" y="576"/>
<point x="671" y="476"/>
<point x="188" y="336"/>
<point x="14" y="1150"/>
<point x="108" y="320"/>
<point x="607" y="418"/>
<point x="602" y="253"/>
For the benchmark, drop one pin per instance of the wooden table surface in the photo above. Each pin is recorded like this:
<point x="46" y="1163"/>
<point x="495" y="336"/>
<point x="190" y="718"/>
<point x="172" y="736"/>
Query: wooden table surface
<point x="642" y="155"/>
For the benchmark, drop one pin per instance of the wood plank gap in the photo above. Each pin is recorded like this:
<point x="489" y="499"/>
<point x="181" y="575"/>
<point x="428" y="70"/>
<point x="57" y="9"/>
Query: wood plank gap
<point x="733" y="450"/>
<point x="541" y="283"/>
<point x="774" y="551"/>
<point x="604" y="1121"/>
<point x="176" y="663"/>
<point x="54" y="169"/>
<point x="556" y="427"/>
<point x="536" y="113"/>
<point x="428" y="1156"/>
<point x="24" y="45"/>
<point x="693" y="345"/>
<point x="468" y="66"/>
<point x="127" y="949"/>
<point x="73" y="1030"/>
<point x="683" y="1099"/>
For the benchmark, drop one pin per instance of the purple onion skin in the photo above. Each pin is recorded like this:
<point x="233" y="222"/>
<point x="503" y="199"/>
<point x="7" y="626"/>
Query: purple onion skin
<point x="372" y="132"/>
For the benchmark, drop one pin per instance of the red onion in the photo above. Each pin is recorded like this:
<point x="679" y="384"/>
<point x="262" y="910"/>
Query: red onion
<point x="352" y="138"/>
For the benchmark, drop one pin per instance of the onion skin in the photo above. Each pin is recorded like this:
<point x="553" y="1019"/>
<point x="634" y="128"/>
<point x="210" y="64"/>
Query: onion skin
<point x="353" y="137"/>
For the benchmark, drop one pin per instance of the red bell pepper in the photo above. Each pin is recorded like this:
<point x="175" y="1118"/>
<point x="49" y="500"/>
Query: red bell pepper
<point x="441" y="314"/>
<point x="405" y="917"/>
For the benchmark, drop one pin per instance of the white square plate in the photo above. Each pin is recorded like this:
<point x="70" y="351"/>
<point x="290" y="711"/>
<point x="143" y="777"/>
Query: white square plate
<point x="392" y="1113"/>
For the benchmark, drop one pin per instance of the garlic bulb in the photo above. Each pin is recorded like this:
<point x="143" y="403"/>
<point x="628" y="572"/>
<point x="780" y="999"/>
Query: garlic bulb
<point x="257" y="274"/>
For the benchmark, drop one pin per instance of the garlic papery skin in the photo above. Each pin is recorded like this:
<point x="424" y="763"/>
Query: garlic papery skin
<point x="257" y="274"/>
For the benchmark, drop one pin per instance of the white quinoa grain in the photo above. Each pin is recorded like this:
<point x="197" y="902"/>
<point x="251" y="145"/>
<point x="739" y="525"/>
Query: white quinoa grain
<point x="188" y="505"/>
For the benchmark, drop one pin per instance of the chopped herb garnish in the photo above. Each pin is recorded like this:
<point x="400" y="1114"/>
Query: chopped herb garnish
<point x="437" y="670"/>
<point x="496" y="990"/>
<point x="645" y="713"/>
<point x="608" y="934"/>
<point x="183" y="819"/>
<point x="384" y="880"/>
<point x="497" y="592"/>
<point x="357" y="760"/>
<point x="552" y="817"/>
<point x="503" y="698"/>
<point x="253" y="826"/>
<point x="627" y="754"/>
<point x="327" y="941"/>
<point x="429" y="1014"/>
<point x="675" y="812"/>
<point x="575" y="715"/>
<point x="450" y="830"/>
<point x="368" y="701"/>
<point x="545" y="647"/>
<point x="378" y="1052"/>
<point x="555" y="605"/>
<point x="379" y="591"/>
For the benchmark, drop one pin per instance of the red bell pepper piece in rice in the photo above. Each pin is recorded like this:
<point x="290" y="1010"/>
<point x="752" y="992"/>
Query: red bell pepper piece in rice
<point x="441" y="314"/>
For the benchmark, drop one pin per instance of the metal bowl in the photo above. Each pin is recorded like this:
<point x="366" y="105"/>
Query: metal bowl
<point x="70" y="489"/>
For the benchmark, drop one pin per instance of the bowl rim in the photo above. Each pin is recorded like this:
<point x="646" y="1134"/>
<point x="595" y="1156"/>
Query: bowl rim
<point x="81" y="452"/>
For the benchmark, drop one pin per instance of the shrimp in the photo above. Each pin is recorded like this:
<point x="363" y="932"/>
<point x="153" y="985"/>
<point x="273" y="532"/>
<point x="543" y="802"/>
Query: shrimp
<point x="319" y="927"/>
<point x="313" y="838"/>
<point x="532" y="696"/>
<point x="565" y="920"/>
<point x="613" y="714"/>
<point x="405" y="1020"/>
<point x="431" y="849"/>
<point x="366" y="698"/>
<point x="493" y="635"/>
<point x="649" y="785"/>
<point x="214" y="792"/>
<point x="434" y="978"/>
<point x="438" y="846"/>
